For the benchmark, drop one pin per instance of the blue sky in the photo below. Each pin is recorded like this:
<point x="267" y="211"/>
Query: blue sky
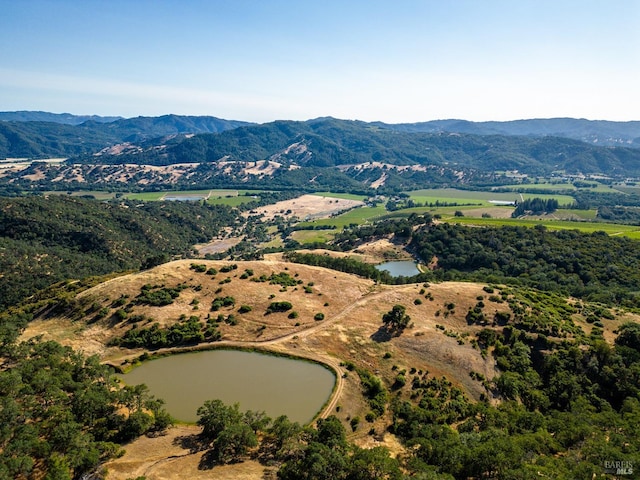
<point x="262" y="60"/>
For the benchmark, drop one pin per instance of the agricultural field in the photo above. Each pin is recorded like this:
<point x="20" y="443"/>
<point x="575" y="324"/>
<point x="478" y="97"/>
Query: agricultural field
<point x="551" y="186"/>
<point x="628" y="188"/>
<point x="312" y="236"/>
<point x="217" y="197"/>
<point x="466" y="197"/>
<point x="559" y="187"/>
<point x="357" y="215"/>
<point x="631" y="231"/>
<point x="233" y="198"/>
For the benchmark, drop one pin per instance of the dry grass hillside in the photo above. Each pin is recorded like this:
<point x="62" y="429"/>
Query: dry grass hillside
<point x="438" y="339"/>
<point x="352" y="309"/>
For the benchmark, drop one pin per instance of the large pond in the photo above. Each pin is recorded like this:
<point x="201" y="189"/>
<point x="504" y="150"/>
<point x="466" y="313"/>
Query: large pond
<point x="406" y="268"/>
<point x="277" y="385"/>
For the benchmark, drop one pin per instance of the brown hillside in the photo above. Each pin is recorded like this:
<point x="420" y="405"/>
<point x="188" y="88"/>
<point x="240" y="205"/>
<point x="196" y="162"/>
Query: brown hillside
<point x="350" y="331"/>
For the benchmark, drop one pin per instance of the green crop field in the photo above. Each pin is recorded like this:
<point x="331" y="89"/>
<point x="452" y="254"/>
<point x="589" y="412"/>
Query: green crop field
<point x="452" y="195"/>
<point x="552" y="187"/>
<point x="627" y="188"/>
<point x="632" y="231"/>
<point x="146" y="196"/>
<point x="214" y="196"/>
<point x="97" y="194"/>
<point x="312" y="236"/>
<point x="357" y="215"/>
<point x="589" y="215"/>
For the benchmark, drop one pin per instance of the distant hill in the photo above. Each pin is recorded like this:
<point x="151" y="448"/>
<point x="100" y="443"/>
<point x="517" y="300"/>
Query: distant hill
<point x="328" y="142"/>
<point x="45" y="139"/>
<point x="143" y="128"/>
<point x="324" y="152"/>
<point x="66" y="118"/>
<point x="597" y="132"/>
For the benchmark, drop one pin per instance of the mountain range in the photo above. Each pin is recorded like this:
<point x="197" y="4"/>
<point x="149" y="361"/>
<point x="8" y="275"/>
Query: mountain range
<point x="354" y="154"/>
<point x="47" y="135"/>
<point x="597" y="132"/>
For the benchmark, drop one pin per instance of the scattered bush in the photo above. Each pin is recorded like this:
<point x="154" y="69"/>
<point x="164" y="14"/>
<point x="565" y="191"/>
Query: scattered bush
<point x="279" y="307"/>
<point x="220" y="302"/>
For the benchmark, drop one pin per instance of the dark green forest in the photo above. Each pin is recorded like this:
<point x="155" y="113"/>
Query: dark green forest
<point x="47" y="135"/>
<point x="47" y="240"/>
<point x="595" y="267"/>
<point x="62" y="413"/>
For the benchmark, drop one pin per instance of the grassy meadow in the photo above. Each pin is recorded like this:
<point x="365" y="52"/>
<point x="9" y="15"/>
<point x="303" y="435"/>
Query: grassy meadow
<point x="462" y="197"/>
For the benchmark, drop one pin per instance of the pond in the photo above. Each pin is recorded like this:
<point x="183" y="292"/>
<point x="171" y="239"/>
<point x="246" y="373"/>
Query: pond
<point x="406" y="268"/>
<point x="277" y="385"/>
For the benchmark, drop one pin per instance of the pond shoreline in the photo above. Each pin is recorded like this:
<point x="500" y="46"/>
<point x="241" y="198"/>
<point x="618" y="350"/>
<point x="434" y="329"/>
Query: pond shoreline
<point x="334" y="369"/>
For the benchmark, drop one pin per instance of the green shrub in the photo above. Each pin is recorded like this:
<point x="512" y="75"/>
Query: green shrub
<point x="220" y="302"/>
<point x="279" y="307"/>
<point x="245" y="308"/>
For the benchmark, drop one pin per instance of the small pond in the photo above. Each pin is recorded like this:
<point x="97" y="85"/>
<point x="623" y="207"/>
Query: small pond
<point x="277" y="385"/>
<point x="406" y="268"/>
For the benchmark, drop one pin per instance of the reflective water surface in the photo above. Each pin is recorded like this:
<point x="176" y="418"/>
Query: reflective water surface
<point x="277" y="385"/>
<point x="405" y="268"/>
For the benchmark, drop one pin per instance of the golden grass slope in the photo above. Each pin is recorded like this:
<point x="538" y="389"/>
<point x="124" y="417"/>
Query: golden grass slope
<point x="352" y="308"/>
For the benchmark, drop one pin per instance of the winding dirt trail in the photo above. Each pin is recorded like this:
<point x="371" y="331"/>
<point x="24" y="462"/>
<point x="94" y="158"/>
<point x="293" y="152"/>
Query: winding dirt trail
<point x="309" y="354"/>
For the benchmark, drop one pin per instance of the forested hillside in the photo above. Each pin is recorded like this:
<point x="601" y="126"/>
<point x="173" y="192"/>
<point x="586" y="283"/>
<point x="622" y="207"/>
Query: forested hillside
<point x="329" y="142"/>
<point x="326" y="142"/>
<point x="45" y="139"/>
<point x="46" y="240"/>
<point x="62" y="413"/>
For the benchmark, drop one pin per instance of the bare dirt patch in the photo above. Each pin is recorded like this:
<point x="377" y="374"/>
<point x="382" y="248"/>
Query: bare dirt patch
<point x="262" y="168"/>
<point x="308" y="207"/>
<point x="377" y="251"/>
<point x="218" y="245"/>
<point x="382" y="250"/>
<point x="493" y="212"/>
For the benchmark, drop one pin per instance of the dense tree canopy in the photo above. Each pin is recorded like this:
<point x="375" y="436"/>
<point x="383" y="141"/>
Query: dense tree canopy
<point x="46" y="240"/>
<point x="593" y="266"/>
<point x="62" y="413"/>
